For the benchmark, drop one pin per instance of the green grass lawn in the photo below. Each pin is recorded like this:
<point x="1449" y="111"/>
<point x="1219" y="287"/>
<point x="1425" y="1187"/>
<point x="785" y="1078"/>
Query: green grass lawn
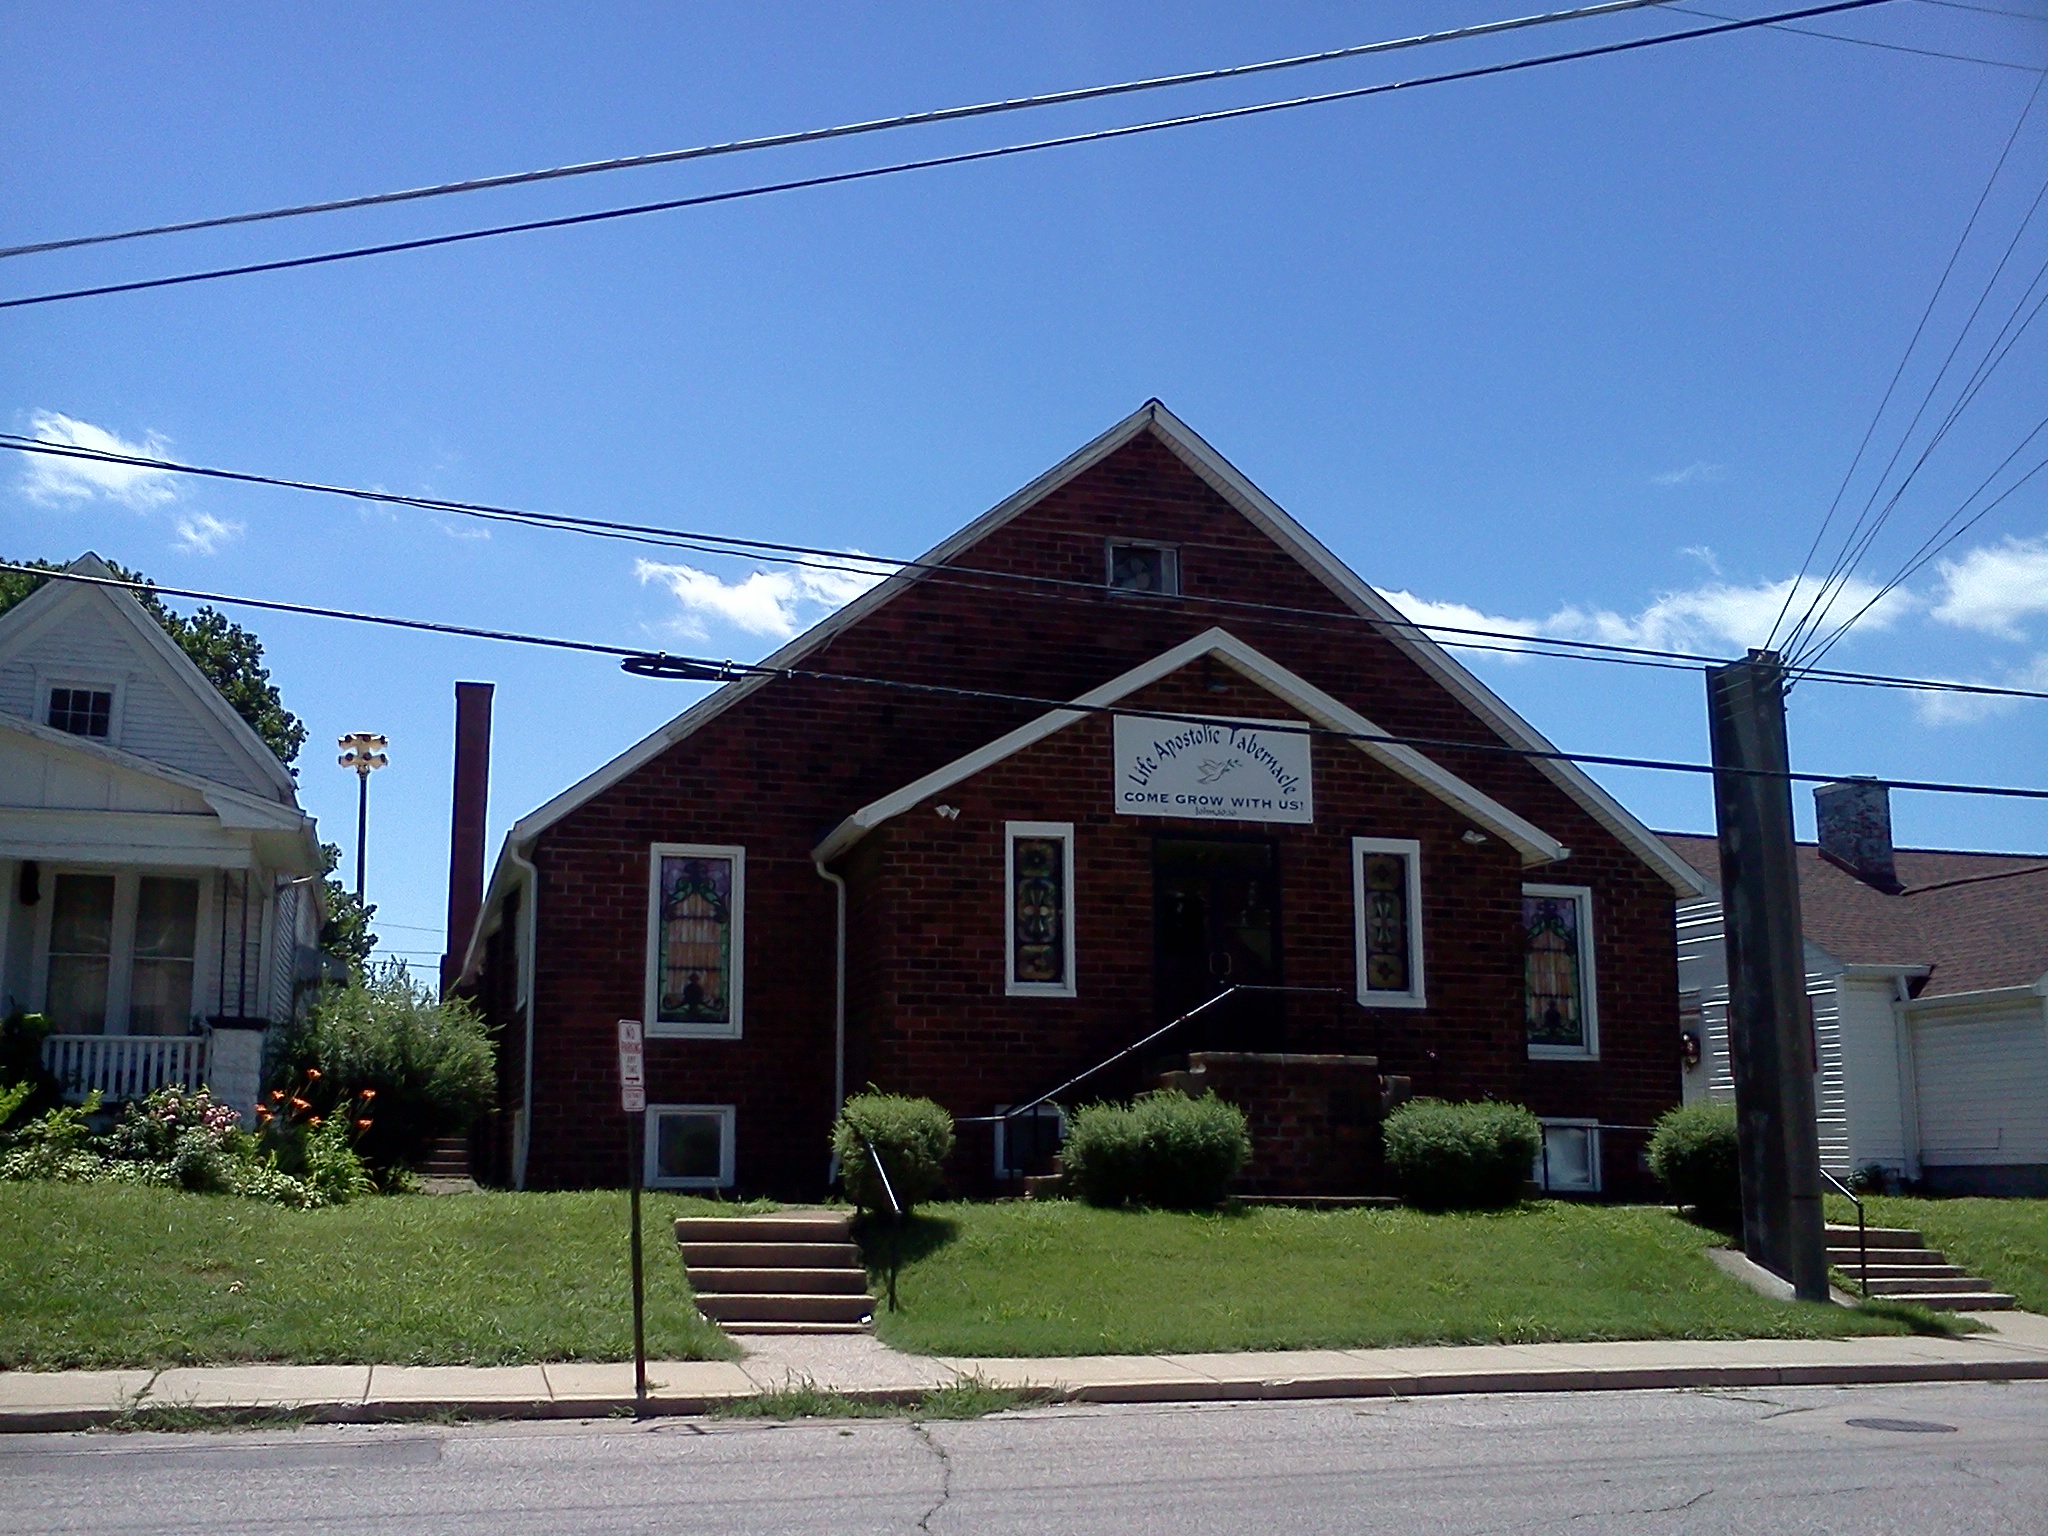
<point x="1061" y="1278"/>
<point x="2003" y="1241"/>
<point x="103" y="1275"/>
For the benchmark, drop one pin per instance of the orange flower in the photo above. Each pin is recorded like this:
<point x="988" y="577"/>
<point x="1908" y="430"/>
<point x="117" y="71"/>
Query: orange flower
<point x="314" y="1121"/>
<point x="369" y="1093"/>
<point x="362" y="1125"/>
<point x="312" y="1074"/>
<point x="277" y="1093"/>
<point x="298" y="1103"/>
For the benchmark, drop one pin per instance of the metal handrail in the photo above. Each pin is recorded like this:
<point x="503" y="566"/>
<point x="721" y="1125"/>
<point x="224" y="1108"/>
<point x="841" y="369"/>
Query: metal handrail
<point x="1862" y="1234"/>
<point x="895" y="1212"/>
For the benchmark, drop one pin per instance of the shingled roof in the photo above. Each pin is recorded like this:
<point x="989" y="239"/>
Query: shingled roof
<point x="1977" y="921"/>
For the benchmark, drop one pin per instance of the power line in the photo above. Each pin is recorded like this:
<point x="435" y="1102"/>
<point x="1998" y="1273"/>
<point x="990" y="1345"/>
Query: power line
<point x="981" y="578"/>
<point x="843" y="131"/>
<point x="963" y="157"/>
<point x="1912" y="343"/>
<point x="705" y="669"/>
<point x="1861" y="42"/>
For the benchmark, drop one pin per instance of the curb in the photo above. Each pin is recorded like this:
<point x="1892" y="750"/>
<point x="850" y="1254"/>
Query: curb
<point x="1273" y="1389"/>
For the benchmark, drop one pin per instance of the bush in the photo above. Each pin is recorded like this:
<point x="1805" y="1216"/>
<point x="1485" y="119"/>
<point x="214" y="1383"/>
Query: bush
<point x="430" y="1066"/>
<point x="1693" y="1153"/>
<point x="1164" y="1149"/>
<point x="1461" y="1157"/>
<point x="914" y="1137"/>
<point x="21" y="1062"/>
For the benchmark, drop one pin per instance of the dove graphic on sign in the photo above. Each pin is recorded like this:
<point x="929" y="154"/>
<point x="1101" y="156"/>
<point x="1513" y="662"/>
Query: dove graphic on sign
<point x="1210" y="771"/>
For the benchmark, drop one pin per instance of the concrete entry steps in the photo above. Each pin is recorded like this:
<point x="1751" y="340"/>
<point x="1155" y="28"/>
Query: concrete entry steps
<point x="793" y="1272"/>
<point x="1904" y="1268"/>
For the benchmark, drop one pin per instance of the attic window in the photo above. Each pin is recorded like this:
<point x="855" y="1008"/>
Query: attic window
<point x="1150" y="568"/>
<point x="81" y="711"/>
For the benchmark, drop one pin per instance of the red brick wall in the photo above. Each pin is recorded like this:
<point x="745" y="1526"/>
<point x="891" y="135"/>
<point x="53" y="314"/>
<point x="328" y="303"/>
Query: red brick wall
<point x="781" y="768"/>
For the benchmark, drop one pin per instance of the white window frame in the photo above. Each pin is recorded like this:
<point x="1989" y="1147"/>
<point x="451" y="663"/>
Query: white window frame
<point x="121" y="941"/>
<point x="1589" y="979"/>
<point x="728" y="1118"/>
<point x="1064" y="832"/>
<point x="1003" y="1170"/>
<point x="1540" y="1173"/>
<point x="48" y="683"/>
<point x="1171" y="566"/>
<point x="735" y="983"/>
<point x="1417" y="994"/>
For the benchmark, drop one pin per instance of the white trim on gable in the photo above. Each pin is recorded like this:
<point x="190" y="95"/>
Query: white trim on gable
<point x="21" y="623"/>
<point x="1534" y="844"/>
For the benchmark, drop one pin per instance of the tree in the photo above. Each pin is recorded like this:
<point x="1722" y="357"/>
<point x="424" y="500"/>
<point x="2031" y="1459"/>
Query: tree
<point x="346" y="933"/>
<point x="230" y="656"/>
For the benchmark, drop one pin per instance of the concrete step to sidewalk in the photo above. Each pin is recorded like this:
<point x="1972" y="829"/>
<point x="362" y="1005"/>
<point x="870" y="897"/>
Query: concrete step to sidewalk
<point x="839" y="1281"/>
<point x="782" y="1227"/>
<point x="1944" y="1281"/>
<point x="770" y="1255"/>
<point x="1953" y="1301"/>
<point x="784" y="1307"/>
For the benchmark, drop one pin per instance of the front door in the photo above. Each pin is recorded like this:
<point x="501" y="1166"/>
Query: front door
<point x="1216" y="922"/>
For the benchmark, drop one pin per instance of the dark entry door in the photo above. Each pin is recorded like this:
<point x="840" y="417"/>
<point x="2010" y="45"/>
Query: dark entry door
<point x="1216" y="921"/>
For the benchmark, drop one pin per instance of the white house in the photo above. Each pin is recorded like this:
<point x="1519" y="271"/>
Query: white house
<point x="158" y="881"/>
<point x="1928" y="975"/>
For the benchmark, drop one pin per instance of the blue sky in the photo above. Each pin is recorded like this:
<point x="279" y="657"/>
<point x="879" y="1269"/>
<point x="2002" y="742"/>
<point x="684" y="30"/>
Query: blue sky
<point x="1585" y="349"/>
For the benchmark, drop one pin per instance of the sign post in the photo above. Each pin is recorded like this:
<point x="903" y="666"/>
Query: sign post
<point x="633" y="1101"/>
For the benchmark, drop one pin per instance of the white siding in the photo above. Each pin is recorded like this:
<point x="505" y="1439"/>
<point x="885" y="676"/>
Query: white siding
<point x="1870" y="1062"/>
<point x="1983" y="1089"/>
<point x="156" y="720"/>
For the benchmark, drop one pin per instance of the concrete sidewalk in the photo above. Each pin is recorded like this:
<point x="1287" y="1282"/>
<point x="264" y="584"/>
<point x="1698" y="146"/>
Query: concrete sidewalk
<point x="2014" y="1347"/>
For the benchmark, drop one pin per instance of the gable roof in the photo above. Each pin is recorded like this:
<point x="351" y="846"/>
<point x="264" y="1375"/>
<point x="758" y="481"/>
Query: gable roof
<point x="1266" y="515"/>
<point x="1534" y="844"/>
<point x="119" y="608"/>
<point x="1976" y="921"/>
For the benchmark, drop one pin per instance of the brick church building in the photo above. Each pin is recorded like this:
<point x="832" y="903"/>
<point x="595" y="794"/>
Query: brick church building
<point x="1109" y="750"/>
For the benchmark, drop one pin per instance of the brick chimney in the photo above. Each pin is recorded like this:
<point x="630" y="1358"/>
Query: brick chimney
<point x="466" y="822"/>
<point x="1855" y="817"/>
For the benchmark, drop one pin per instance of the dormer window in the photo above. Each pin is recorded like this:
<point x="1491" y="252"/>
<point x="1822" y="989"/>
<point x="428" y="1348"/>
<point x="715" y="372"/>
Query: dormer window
<point x="82" y="711"/>
<point x="1150" y="568"/>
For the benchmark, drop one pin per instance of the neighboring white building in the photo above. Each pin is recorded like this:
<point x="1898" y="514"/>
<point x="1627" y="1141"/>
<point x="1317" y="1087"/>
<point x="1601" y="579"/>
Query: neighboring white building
<point x="158" y="881"/>
<point x="1928" y="974"/>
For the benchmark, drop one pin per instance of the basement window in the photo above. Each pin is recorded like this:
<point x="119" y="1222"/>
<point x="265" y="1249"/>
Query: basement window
<point x="1569" y="1162"/>
<point x="1026" y="1143"/>
<point x="689" y="1146"/>
<point x="1153" y="569"/>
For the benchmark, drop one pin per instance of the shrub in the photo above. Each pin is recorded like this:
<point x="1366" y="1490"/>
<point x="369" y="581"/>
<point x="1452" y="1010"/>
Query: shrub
<point x="429" y="1065"/>
<point x="21" y="1061"/>
<point x="1693" y="1153"/>
<point x="1461" y="1157"/>
<point x="1163" y="1149"/>
<point x="914" y="1137"/>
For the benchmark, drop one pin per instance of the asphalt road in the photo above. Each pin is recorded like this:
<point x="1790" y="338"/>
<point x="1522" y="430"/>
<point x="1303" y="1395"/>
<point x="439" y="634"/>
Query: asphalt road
<point x="1780" y="1461"/>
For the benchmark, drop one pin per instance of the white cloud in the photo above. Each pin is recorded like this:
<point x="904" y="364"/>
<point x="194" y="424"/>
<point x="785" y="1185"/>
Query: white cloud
<point x="1718" y="615"/>
<point x="1704" y="553"/>
<point x="1696" y="473"/>
<point x="767" y="603"/>
<point x="201" y="533"/>
<point x="1969" y="708"/>
<point x="1992" y="588"/>
<point x="51" y="480"/>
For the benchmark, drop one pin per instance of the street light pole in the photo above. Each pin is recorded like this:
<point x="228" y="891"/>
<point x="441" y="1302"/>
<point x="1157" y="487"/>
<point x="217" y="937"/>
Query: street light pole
<point x="362" y="751"/>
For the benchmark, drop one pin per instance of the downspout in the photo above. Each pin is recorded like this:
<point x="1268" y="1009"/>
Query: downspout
<point x="838" y="988"/>
<point x="529" y="919"/>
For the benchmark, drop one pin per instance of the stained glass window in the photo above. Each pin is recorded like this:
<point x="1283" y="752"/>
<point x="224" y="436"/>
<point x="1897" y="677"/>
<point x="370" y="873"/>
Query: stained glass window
<point x="1385" y="880"/>
<point x="1554" y="966"/>
<point x="695" y="934"/>
<point x="1041" y="910"/>
<point x="1386" y="922"/>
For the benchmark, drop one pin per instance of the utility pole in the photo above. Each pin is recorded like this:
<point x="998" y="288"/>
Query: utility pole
<point x="364" y="752"/>
<point x="1770" y="1030"/>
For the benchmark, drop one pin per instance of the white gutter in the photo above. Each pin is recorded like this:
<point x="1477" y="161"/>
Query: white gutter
<point x="528" y="920"/>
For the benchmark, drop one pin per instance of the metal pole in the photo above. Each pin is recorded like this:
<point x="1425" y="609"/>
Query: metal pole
<point x="362" y="826"/>
<point x="1770" y="1033"/>
<point x="636" y="1138"/>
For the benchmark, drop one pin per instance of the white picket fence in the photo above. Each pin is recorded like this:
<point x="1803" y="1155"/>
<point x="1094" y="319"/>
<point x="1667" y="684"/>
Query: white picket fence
<point x="124" y="1066"/>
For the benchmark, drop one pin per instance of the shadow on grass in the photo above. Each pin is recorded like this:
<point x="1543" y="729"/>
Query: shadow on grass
<point x="1919" y="1319"/>
<point x="916" y="1237"/>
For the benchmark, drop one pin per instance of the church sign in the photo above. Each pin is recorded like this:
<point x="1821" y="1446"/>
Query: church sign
<point x="1215" y="770"/>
